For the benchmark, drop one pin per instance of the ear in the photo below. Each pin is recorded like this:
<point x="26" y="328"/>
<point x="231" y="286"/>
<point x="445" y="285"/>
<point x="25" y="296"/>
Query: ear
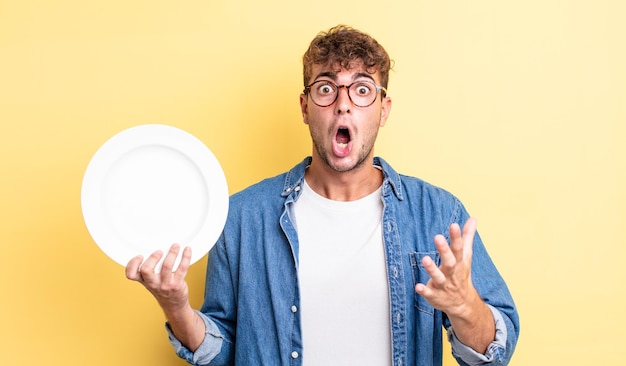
<point x="385" y="109"/>
<point x="304" y="107"/>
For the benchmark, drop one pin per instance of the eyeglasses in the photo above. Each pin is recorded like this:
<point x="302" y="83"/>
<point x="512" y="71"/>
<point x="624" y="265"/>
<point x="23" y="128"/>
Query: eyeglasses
<point x="361" y="93"/>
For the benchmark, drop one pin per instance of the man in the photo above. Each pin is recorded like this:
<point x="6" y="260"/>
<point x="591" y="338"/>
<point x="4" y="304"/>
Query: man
<point x="340" y="261"/>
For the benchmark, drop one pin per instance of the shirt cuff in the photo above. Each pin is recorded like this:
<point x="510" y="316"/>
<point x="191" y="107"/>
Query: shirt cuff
<point x="208" y="349"/>
<point x="495" y="350"/>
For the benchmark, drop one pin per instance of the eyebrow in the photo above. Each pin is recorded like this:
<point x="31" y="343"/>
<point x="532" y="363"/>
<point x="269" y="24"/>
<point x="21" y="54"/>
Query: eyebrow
<point x="333" y="76"/>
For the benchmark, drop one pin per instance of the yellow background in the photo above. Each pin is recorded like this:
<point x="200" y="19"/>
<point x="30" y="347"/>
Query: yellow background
<point x="516" y="107"/>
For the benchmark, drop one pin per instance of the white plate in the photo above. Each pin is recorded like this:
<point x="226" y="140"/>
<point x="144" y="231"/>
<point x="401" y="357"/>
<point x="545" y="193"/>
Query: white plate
<point x="151" y="186"/>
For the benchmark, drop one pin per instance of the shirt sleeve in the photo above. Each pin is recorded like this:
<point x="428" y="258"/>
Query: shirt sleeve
<point x="208" y="349"/>
<point x="495" y="351"/>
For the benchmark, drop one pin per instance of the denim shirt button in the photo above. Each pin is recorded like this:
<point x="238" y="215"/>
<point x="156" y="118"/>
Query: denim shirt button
<point x="294" y="354"/>
<point x="297" y="189"/>
<point x="294" y="308"/>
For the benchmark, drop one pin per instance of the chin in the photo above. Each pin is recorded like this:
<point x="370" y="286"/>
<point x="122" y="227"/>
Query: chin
<point x="345" y="164"/>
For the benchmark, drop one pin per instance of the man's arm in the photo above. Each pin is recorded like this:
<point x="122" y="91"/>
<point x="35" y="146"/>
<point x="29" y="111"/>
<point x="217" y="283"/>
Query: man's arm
<point x="450" y="289"/>
<point x="170" y="290"/>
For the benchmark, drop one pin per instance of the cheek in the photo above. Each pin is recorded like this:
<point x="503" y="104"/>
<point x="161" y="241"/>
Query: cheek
<point x="313" y="116"/>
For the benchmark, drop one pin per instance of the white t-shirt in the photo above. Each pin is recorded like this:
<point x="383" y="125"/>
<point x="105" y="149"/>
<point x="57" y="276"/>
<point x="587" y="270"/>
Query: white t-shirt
<point x="343" y="282"/>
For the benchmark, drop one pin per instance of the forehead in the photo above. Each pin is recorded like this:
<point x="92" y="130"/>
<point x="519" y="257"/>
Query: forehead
<point x="355" y="70"/>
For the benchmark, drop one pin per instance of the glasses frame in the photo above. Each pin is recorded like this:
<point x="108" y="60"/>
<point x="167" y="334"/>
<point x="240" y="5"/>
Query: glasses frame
<point x="307" y="91"/>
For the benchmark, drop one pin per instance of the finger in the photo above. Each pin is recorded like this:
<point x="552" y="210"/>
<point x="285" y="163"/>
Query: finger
<point x="424" y="290"/>
<point x="132" y="268"/>
<point x="170" y="259"/>
<point x="183" y="266"/>
<point x="437" y="277"/>
<point x="469" y="232"/>
<point x="448" y="259"/>
<point x="456" y="241"/>
<point x="147" y="268"/>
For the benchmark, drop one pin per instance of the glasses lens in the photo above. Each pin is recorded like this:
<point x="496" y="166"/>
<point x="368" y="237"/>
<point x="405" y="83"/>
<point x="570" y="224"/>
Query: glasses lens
<point x="323" y="93"/>
<point x="362" y="93"/>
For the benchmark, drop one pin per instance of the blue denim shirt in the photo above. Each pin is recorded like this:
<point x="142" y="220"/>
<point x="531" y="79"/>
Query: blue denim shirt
<point x="252" y="299"/>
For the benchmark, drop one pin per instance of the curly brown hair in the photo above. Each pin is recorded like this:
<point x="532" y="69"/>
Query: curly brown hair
<point x="343" y="45"/>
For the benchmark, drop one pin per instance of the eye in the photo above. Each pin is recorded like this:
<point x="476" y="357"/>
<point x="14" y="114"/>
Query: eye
<point x="325" y="89"/>
<point x="362" y="89"/>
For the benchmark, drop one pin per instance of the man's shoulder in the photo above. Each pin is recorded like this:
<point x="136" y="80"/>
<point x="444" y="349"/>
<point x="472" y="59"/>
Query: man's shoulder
<point x="421" y="183"/>
<point x="418" y="186"/>
<point x="274" y="187"/>
<point x="411" y="186"/>
<point x="265" y="188"/>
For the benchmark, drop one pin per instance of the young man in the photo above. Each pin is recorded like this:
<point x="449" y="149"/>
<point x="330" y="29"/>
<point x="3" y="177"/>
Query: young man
<point x="341" y="260"/>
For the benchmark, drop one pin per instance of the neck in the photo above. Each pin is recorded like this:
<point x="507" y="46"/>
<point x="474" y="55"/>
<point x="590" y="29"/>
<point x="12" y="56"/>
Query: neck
<point x="343" y="186"/>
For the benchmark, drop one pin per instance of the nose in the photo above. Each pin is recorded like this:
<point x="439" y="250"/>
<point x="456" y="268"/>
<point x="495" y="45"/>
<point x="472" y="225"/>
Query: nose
<point x="343" y="103"/>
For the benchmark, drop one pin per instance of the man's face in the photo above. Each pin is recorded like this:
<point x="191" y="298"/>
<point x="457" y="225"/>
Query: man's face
<point x="344" y="134"/>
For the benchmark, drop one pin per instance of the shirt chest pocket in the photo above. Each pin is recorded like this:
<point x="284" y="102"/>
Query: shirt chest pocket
<point x="420" y="275"/>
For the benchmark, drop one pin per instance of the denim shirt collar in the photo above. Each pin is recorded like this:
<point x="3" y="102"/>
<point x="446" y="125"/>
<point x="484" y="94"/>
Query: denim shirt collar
<point x="294" y="178"/>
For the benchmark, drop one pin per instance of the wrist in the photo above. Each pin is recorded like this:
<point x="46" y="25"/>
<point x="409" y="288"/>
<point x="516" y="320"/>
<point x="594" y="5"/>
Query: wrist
<point x="178" y="311"/>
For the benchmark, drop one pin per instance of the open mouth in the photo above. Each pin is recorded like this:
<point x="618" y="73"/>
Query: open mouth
<point x="343" y="137"/>
<point x="343" y="142"/>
